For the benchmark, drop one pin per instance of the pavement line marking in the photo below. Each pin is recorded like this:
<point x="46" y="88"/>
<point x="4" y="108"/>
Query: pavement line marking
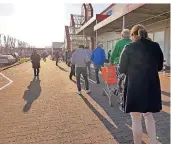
<point x="93" y="73"/>
<point x="84" y="81"/>
<point x="88" y="79"/>
<point x="91" y="80"/>
<point x="10" y="81"/>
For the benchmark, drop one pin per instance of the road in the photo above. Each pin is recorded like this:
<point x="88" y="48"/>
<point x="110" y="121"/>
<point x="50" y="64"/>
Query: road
<point x="49" y="111"/>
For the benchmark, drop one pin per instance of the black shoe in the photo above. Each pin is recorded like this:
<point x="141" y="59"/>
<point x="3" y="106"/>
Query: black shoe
<point x="98" y="82"/>
<point x="70" y="78"/>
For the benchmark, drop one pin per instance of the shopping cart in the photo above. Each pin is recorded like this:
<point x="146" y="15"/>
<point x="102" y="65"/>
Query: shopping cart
<point x="113" y="85"/>
<point x="110" y="80"/>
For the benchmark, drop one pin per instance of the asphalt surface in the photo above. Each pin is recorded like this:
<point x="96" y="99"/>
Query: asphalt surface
<point x="49" y="111"/>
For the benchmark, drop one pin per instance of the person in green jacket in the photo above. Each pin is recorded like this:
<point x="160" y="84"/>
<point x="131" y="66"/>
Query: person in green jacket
<point x="117" y="49"/>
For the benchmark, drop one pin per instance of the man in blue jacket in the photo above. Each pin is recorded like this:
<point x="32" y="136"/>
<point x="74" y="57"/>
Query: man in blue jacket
<point x="98" y="57"/>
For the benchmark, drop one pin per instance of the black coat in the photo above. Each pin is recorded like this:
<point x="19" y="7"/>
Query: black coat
<point x="35" y="59"/>
<point x="141" y="61"/>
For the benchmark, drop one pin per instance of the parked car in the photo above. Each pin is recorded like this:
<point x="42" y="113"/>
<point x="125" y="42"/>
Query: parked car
<point x="7" y="59"/>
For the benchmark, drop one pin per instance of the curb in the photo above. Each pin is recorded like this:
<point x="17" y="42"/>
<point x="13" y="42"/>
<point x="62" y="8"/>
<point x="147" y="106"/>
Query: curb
<point x="9" y="66"/>
<point x="13" y="65"/>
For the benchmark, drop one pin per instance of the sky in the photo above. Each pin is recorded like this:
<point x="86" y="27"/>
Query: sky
<point x="38" y="22"/>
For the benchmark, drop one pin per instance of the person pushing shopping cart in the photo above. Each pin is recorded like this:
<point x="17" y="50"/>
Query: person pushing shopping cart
<point x="111" y="74"/>
<point x="118" y="48"/>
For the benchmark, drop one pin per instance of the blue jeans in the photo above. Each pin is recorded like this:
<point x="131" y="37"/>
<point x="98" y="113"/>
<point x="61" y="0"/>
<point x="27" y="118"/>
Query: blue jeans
<point x="97" y="68"/>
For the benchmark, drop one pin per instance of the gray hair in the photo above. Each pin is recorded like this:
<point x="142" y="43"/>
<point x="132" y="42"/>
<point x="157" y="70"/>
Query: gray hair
<point x="100" y="45"/>
<point x="125" y="33"/>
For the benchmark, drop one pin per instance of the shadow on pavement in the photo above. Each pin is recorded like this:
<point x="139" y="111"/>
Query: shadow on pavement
<point x="165" y="93"/>
<point x="61" y="68"/>
<point x="30" y="95"/>
<point x="123" y="133"/>
<point x="74" y="81"/>
<point x="107" y="124"/>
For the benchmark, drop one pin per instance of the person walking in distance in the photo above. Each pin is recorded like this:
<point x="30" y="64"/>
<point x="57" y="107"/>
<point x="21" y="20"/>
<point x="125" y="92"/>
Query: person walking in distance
<point x="141" y="61"/>
<point x="80" y="59"/>
<point x="109" y="54"/>
<point x="57" y="57"/>
<point x="98" y="57"/>
<point x="89" y="53"/>
<point x="35" y="59"/>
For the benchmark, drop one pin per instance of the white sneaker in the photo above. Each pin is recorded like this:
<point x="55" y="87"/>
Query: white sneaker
<point x="79" y="92"/>
<point x="88" y="91"/>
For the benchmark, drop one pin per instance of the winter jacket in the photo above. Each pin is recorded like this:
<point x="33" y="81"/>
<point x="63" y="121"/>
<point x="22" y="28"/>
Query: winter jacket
<point x="98" y="56"/>
<point x="141" y="61"/>
<point x="117" y="49"/>
<point x="79" y="58"/>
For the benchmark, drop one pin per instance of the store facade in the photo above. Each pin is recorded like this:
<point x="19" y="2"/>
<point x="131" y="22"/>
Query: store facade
<point x="155" y="17"/>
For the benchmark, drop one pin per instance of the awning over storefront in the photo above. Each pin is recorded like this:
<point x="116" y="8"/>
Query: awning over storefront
<point x="88" y="28"/>
<point x="133" y="14"/>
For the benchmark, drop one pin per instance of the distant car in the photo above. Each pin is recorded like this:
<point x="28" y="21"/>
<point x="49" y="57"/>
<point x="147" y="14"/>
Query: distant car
<point x="7" y="59"/>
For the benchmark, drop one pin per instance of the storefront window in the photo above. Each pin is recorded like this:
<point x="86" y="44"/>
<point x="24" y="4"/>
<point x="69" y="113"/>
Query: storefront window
<point x="159" y="38"/>
<point x="151" y="35"/>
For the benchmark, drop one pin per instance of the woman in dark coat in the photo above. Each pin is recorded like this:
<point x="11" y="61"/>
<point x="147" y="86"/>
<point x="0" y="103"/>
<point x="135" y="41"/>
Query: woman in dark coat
<point x="141" y="61"/>
<point x="35" y="59"/>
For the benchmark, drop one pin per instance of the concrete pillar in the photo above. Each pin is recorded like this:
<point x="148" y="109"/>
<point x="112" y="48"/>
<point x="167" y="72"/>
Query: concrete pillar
<point x="167" y="46"/>
<point x="83" y="38"/>
<point x="123" y="22"/>
<point x="96" y="34"/>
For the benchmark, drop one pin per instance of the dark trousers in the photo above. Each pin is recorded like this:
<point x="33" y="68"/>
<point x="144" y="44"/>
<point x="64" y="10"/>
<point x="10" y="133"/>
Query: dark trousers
<point x="83" y="71"/>
<point x="57" y="61"/>
<point x="89" y="67"/>
<point x="36" y="71"/>
<point x="97" y="69"/>
<point x="72" y="72"/>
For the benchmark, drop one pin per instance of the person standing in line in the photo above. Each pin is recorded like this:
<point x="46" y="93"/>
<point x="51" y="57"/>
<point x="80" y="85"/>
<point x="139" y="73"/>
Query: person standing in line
<point x="66" y="56"/>
<point x="118" y="48"/>
<point x="109" y="54"/>
<point x="57" y="57"/>
<point x="72" y="72"/>
<point x="35" y="59"/>
<point x="98" y="57"/>
<point x="141" y="61"/>
<point x="80" y="59"/>
<point x="89" y="53"/>
<point x="63" y="56"/>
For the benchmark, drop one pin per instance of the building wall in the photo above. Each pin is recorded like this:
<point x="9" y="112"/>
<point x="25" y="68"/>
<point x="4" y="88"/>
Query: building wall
<point x="108" y="39"/>
<point x="160" y="32"/>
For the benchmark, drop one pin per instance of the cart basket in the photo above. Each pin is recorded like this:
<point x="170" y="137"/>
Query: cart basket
<point x="109" y="75"/>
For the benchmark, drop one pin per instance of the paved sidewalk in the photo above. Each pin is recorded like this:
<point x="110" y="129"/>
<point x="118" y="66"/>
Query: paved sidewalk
<point x="49" y="111"/>
<point x="123" y="133"/>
